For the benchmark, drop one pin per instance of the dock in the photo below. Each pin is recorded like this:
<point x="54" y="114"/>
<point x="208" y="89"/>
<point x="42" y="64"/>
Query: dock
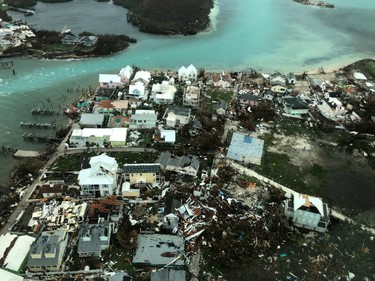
<point x="40" y="138"/>
<point x="43" y="111"/>
<point x="26" y="154"/>
<point x="45" y="125"/>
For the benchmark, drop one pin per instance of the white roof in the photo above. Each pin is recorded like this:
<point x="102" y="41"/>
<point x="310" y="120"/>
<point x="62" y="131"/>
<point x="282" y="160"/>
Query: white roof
<point x="168" y="135"/>
<point x="302" y="199"/>
<point x="97" y="132"/>
<point x="109" y="78"/>
<point x="189" y="69"/>
<point x="182" y="70"/>
<point x="18" y="253"/>
<point x="144" y="111"/>
<point x="8" y="276"/>
<point x="144" y="75"/>
<point x="118" y="134"/>
<point x="359" y="76"/>
<point x="126" y="71"/>
<point x="164" y="90"/>
<point x="103" y="159"/>
<point x="139" y="89"/>
<point x="89" y="176"/>
<point x="77" y="132"/>
<point x="5" y="240"/>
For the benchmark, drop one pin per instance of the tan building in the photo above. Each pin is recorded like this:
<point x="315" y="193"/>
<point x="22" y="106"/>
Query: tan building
<point x="142" y="174"/>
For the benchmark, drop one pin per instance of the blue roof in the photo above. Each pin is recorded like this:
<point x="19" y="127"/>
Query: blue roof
<point x="247" y="139"/>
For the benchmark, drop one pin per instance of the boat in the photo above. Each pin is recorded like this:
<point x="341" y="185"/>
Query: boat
<point x="65" y="30"/>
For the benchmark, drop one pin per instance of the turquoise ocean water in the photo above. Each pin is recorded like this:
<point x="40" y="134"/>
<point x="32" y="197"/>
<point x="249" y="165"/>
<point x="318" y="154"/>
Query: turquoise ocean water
<point x="266" y="35"/>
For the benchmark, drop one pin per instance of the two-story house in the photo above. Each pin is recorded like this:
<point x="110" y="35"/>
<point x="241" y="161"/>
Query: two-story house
<point x="187" y="73"/>
<point x="93" y="239"/>
<point x="47" y="252"/>
<point x="191" y="96"/>
<point x="98" y="137"/>
<point x="176" y="116"/>
<point x="142" y="174"/>
<point x="143" y="119"/>
<point x="110" y="81"/>
<point x="101" y="178"/>
<point x="125" y="74"/>
<point x="163" y="93"/>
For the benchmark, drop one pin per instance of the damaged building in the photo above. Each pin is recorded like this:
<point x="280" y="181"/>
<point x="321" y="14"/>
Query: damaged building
<point x="307" y="212"/>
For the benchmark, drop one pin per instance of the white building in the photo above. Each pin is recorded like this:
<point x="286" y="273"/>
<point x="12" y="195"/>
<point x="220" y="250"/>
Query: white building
<point x="307" y="212"/>
<point x="187" y="74"/>
<point x="163" y="93"/>
<point x="125" y="74"/>
<point x="110" y="81"/>
<point x="14" y="250"/>
<point x="191" y="96"/>
<point x="98" y="136"/>
<point x="143" y="119"/>
<point x="176" y="116"/>
<point x="7" y="275"/>
<point x="101" y="178"/>
<point x="138" y="90"/>
<point x="142" y="76"/>
<point x="332" y="108"/>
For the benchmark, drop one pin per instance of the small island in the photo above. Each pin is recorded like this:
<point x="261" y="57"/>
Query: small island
<point x="315" y="3"/>
<point x="168" y="16"/>
<point x="60" y="45"/>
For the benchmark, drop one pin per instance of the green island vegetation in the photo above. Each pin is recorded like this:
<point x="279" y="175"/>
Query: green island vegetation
<point x="47" y="44"/>
<point x="168" y="16"/>
<point x="159" y="17"/>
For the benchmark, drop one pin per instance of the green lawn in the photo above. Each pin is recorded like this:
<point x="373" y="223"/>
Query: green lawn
<point x="213" y="96"/>
<point x="73" y="162"/>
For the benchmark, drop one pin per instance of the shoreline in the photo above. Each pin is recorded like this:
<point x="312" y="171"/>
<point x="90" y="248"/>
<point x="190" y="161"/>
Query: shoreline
<point x="311" y="71"/>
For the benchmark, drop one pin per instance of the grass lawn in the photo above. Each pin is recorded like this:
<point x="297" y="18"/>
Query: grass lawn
<point x="133" y="157"/>
<point x="213" y="96"/>
<point x="73" y="162"/>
